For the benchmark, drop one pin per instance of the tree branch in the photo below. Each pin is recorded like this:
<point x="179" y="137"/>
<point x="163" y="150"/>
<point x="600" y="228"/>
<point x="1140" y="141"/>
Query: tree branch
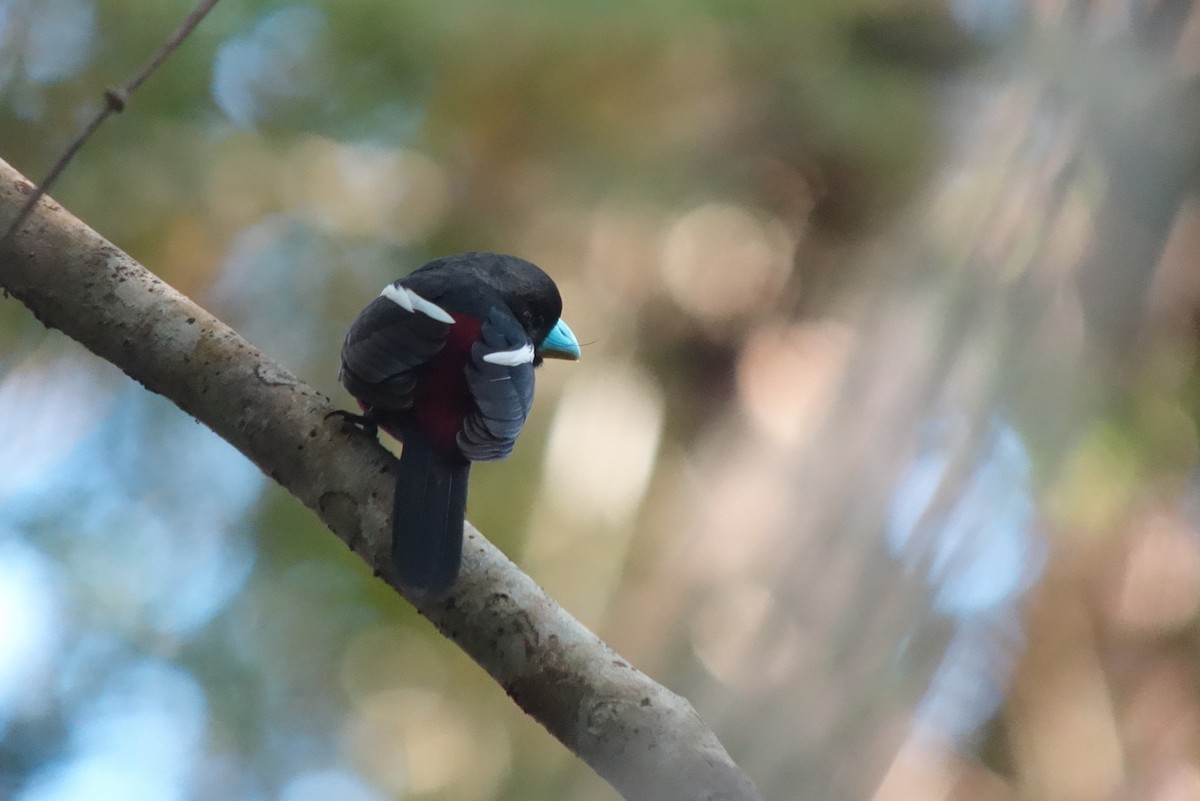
<point x="647" y="742"/>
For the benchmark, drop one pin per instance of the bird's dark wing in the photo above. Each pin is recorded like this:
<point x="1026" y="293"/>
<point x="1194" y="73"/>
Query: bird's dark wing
<point x="500" y="378"/>
<point x="382" y="348"/>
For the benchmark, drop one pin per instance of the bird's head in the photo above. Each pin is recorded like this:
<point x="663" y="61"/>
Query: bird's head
<point x="532" y="297"/>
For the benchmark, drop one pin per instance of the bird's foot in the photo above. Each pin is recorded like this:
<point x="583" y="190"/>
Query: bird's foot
<point x="360" y="421"/>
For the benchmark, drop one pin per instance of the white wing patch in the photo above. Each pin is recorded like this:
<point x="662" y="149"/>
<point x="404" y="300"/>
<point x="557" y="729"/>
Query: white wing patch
<point x="511" y="358"/>
<point x="410" y="301"/>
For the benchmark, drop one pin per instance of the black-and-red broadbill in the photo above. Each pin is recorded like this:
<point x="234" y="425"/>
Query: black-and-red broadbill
<point x="443" y="360"/>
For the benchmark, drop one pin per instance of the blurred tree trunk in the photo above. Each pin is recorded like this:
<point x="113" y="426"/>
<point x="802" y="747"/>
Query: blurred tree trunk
<point x="1025" y="288"/>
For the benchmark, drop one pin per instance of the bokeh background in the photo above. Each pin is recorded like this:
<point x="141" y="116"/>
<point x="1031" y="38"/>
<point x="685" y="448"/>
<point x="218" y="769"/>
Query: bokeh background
<point x="882" y="450"/>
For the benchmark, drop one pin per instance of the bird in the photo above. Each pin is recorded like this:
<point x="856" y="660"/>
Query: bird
<point x="443" y="360"/>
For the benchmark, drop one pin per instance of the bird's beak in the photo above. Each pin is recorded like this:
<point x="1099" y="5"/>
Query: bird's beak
<point x="560" y="343"/>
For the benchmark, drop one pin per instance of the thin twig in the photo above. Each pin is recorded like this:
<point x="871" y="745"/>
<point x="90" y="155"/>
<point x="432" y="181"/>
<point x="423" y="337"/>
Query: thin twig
<point x="115" y="101"/>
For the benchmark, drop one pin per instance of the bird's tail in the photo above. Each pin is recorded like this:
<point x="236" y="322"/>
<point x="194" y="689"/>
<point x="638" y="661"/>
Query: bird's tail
<point x="427" y="518"/>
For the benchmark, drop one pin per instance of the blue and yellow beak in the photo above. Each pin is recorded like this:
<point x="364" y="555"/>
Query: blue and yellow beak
<point x="560" y="343"/>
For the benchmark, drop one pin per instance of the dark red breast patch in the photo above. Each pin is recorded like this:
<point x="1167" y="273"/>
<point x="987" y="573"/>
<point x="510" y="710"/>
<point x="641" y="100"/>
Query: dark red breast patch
<point x="441" y="399"/>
